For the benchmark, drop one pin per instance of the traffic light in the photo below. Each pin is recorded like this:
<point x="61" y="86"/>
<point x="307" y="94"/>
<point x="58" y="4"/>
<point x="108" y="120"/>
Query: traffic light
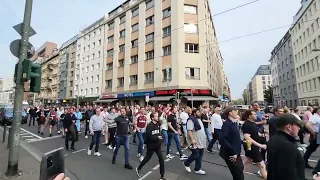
<point x="32" y="72"/>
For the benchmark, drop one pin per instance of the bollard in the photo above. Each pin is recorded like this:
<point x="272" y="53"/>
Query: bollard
<point x="4" y="133"/>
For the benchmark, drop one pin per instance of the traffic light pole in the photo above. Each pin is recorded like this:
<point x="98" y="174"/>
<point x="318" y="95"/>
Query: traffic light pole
<point x="14" y="136"/>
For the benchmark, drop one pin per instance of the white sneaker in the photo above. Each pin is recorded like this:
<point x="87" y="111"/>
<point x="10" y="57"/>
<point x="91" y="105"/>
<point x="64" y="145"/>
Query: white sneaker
<point x="201" y="172"/>
<point x="169" y="156"/>
<point x="109" y="147"/>
<point x="89" y="152"/>
<point x="59" y="132"/>
<point x="86" y="137"/>
<point x="188" y="169"/>
<point x="138" y="155"/>
<point x="183" y="157"/>
<point x="97" y="154"/>
<point x="141" y="158"/>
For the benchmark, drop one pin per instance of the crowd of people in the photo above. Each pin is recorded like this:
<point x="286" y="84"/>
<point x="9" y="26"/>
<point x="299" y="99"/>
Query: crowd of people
<point x="278" y="153"/>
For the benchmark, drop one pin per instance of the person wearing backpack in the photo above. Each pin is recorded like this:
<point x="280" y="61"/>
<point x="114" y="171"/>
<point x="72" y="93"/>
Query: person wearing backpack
<point x="196" y="137"/>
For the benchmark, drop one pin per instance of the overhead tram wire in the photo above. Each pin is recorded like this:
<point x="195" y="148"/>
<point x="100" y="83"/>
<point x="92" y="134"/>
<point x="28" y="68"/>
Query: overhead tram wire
<point x="231" y="39"/>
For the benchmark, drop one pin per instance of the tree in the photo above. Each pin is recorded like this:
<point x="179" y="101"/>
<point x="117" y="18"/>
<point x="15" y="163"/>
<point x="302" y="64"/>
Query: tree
<point x="268" y="95"/>
<point x="237" y="101"/>
<point x="245" y="97"/>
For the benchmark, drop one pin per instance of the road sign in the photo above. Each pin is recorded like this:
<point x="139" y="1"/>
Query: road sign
<point x="147" y="97"/>
<point x="18" y="28"/>
<point x="178" y="101"/>
<point x="15" y="47"/>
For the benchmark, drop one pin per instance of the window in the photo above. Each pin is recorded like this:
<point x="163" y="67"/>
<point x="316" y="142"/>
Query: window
<point x="120" y="82"/>
<point x="87" y="58"/>
<point x="88" y="37"/>
<point x="99" y="31"/>
<point x="97" y="78"/>
<point x="148" y="77"/>
<point x="122" y="19"/>
<point x="111" y="25"/>
<point x="122" y="33"/>
<point x="121" y="48"/>
<point x="93" y="56"/>
<point x="191" y="28"/>
<point x="92" y="67"/>
<point x="166" y="31"/>
<point x="97" y="90"/>
<point x="134" y="59"/>
<point x="150" y="20"/>
<point x="191" y="48"/>
<point x="110" y="39"/>
<point x="188" y="9"/>
<point x="149" y="4"/>
<point x="85" y="91"/>
<point x="134" y="43"/>
<point x="91" y="79"/>
<point x="87" y="80"/>
<point x="192" y="73"/>
<point x="109" y="66"/>
<point x="91" y="91"/>
<point x="133" y="80"/>
<point x="109" y="83"/>
<point x="93" y="45"/>
<point x="110" y="53"/>
<point x="166" y="13"/>
<point x="121" y="63"/>
<point x="166" y="74"/>
<point x="94" y="34"/>
<point x="98" y="66"/>
<point x="150" y="55"/>
<point x="135" y="27"/>
<point x="87" y="69"/>
<point x="89" y="47"/>
<point x="292" y="73"/>
<point x="135" y="12"/>
<point x="99" y="54"/>
<point x="99" y="42"/>
<point x="166" y="50"/>
<point x="149" y="37"/>
<point x="72" y="64"/>
<point x="290" y="58"/>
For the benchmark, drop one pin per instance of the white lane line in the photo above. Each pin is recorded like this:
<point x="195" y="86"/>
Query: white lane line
<point x="250" y="173"/>
<point x="156" y="167"/>
<point x="26" y="136"/>
<point x="144" y="176"/>
<point x="28" y="140"/>
<point x="21" y="134"/>
<point x="168" y="159"/>
<point x="78" y="151"/>
<point x="46" y="138"/>
<point x="31" y="133"/>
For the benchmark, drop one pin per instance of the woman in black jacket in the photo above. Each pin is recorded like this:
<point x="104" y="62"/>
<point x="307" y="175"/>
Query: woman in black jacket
<point x="153" y="140"/>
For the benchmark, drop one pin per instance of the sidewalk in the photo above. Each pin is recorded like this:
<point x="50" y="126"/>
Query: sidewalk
<point x="29" y="161"/>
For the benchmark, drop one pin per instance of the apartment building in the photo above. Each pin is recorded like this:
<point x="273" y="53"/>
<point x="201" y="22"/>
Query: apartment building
<point x="157" y="48"/>
<point x="49" y="92"/>
<point x="305" y="34"/>
<point x="89" y="63"/>
<point x="258" y="84"/>
<point x="283" y="73"/>
<point x="67" y="70"/>
<point x="7" y="90"/>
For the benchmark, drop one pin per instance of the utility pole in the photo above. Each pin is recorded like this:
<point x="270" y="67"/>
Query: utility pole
<point x="14" y="137"/>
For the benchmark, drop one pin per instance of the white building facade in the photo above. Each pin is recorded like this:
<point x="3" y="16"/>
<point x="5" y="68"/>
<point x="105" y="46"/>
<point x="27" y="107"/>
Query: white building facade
<point x="305" y="34"/>
<point x="7" y="90"/>
<point x="260" y="83"/>
<point x="89" y="61"/>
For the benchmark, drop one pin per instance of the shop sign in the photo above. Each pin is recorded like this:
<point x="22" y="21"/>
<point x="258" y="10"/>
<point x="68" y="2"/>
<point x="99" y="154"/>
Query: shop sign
<point x="136" y="94"/>
<point x="202" y="92"/>
<point x="196" y="92"/>
<point x="166" y="92"/>
<point x="108" y="96"/>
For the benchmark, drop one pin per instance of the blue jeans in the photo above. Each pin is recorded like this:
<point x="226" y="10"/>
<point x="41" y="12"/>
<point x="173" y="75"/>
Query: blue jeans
<point x="196" y="156"/>
<point x="122" y="140"/>
<point x="208" y="134"/>
<point x="164" y="134"/>
<point x="140" y="136"/>
<point x="216" y="136"/>
<point x="95" y="141"/>
<point x="176" y="139"/>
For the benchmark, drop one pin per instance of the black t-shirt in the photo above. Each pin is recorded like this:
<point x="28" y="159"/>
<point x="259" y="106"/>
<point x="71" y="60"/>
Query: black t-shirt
<point x="204" y="117"/>
<point x="173" y="119"/>
<point x="249" y="127"/>
<point x="62" y="117"/>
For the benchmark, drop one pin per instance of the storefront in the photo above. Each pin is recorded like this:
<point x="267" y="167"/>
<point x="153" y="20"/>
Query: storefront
<point x="106" y="99"/>
<point x="129" y="99"/>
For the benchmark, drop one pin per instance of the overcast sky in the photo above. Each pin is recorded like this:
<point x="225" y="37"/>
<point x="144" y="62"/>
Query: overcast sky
<point x="59" y="20"/>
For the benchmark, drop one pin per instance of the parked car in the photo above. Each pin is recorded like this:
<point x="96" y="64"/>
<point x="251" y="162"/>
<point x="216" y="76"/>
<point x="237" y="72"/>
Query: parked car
<point x="6" y="116"/>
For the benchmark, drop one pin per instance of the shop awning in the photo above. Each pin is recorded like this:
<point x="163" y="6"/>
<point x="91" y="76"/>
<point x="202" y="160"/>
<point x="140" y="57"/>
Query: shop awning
<point x="201" y="98"/>
<point x="161" y="98"/>
<point x="104" y="100"/>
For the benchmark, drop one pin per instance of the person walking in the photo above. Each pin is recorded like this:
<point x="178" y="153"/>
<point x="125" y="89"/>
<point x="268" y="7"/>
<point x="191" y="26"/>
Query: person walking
<point x="88" y="114"/>
<point x="197" y="140"/>
<point x="70" y="129"/>
<point x="96" y="126"/>
<point x="216" y="125"/>
<point x="122" y="137"/>
<point x="153" y="141"/>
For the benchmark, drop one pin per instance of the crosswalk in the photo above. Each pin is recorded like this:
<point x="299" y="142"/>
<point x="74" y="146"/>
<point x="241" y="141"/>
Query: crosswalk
<point x="28" y="136"/>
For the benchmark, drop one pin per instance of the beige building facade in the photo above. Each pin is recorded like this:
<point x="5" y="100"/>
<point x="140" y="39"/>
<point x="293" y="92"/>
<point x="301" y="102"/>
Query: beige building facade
<point x="305" y="34"/>
<point x="156" y="45"/>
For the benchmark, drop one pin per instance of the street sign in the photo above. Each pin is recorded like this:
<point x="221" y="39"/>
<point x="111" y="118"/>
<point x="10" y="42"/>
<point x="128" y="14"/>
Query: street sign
<point x="15" y="47"/>
<point x="178" y="101"/>
<point x="18" y="28"/>
<point x="147" y="97"/>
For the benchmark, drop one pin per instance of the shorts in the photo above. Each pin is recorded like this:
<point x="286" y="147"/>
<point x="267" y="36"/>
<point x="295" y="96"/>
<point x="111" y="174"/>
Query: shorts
<point x="52" y="123"/>
<point x="254" y="154"/>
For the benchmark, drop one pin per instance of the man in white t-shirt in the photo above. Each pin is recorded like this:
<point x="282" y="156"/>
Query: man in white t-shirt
<point x="216" y="125"/>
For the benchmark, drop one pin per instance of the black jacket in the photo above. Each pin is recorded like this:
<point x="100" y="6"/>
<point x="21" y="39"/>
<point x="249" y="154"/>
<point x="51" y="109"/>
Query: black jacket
<point x="273" y="126"/>
<point x="285" y="161"/>
<point x="152" y="136"/>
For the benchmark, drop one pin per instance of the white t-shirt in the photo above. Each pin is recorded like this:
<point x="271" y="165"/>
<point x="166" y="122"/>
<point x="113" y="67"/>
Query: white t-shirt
<point x="216" y="121"/>
<point x="184" y="117"/>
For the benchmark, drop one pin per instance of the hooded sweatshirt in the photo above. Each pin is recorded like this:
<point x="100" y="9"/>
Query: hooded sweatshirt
<point x="152" y="136"/>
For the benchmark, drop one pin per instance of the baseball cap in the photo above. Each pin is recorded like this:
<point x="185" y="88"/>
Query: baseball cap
<point x="288" y="118"/>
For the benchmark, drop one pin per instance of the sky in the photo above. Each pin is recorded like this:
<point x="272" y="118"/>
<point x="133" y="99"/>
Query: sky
<point x="59" y="20"/>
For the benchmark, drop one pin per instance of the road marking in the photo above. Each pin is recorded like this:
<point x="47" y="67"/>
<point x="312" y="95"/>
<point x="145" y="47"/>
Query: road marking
<point x="78" y="151"/>
<point x="65" y="155"/>
<point x="31" y="133"/>
<point x="250" y="173"/>
<point x="21" y="134"/>
<point x="26" y="136"/>
<point x="156" y="167"/>
<point x="168" y="159"/>
<point x="29" y="139"/>
<point x="46" y="138"/>
<point x="144" y="176"/>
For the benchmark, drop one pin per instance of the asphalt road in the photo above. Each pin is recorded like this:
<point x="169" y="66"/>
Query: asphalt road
<point x="86" y="167"/>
